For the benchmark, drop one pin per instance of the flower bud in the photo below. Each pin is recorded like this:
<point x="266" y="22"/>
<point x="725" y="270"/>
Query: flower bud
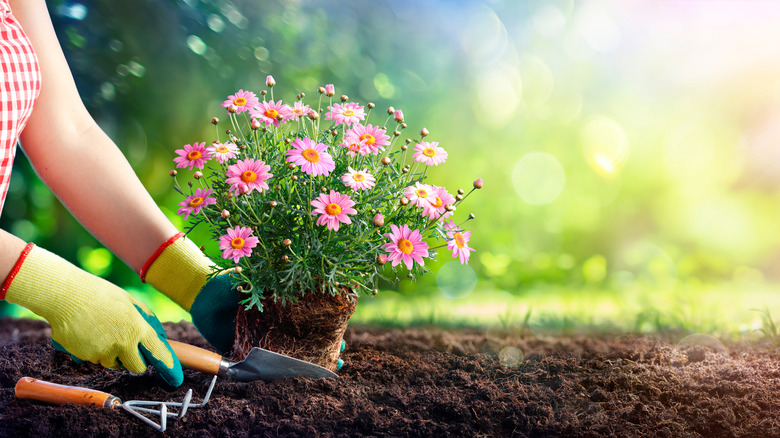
<point x="344" y="98"/>
<point x="472" y="216"/>
<point x="278" y="187"/>
<point x="403" y="125"/>
<point x="478" y="183"/>
<point x="408" y="141"/>
<point x="238" y="269"/>
<point x="189" y="183"/>
<point x="330" y="90"/>
<point x="378" y="220"/>
<point x="291" y="166"/>
<point x="386" y="161"/>
<point x="381" y="259"/>
<point x="198" y="174"/>
<point x="324" y="190"/>
<point x="225" y="214"/>
<point x="396" y="133"/>
<point x="286" y="242"/>
<point x="227" y="131"/>
<point x="263" y="92"/>
<point x="232" y="109"/>
<point x="404" y="201"/>
<point x="301" y="95"/>
<point x="458" y="197"/>
<point x="321" y="90"/>
<point x="243" y="190"/>
<point x="202" y="248"/>
<point x="375" y="292"/>
<point x="285" y="258"/>
<point x="449" y="207"/>
<point x="404" y="147"/>
<point x="256" y="124"/>
<point x="294" y="177"/>
<point x="313" y="115"/>
<point x="214" y="120"/>
<point x="399" y="116"/>
<point x="273" y="203"/>
<point x="390" y="110"/>
<point x="172" y="173"/>
<point x="269" y="80"/>
<point x="370" y="105"/>
<point x="460" y="191"/>
<point x="424" y="132"/>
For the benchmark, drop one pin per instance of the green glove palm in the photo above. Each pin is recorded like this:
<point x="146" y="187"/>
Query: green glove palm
<point x="90" y="318"/>
<point x="181" y="271"/>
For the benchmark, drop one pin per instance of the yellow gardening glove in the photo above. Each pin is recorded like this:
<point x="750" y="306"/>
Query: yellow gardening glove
<point x="181" y="271"/>
<point x="91" y="318"/>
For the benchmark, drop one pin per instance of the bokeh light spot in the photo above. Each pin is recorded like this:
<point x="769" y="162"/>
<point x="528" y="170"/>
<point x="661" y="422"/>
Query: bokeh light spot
<point x="605" y="145"/>
<point x="538" y="178"/>
<point x="510" y="357"/>
<point x="455" y="280"/>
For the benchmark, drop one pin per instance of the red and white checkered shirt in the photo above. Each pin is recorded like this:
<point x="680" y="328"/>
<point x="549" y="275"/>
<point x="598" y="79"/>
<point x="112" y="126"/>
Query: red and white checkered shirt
<point x="20" y="83"/>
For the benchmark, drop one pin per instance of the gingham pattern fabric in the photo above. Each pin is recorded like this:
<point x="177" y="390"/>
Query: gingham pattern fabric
<point x="20" y="83"/>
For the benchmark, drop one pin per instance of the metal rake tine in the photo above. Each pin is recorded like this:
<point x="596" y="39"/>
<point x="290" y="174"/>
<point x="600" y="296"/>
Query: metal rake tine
<point x="131" y="407"/>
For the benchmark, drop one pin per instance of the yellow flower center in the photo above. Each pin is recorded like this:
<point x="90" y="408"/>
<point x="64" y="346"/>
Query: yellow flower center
<point x="271" y="113"/>
<point x="333" y="209"/>
<point x="237" y="243"/>
<point x="459" y="240"/>
<point x="359" y="177"/>
<point x="239" y="101"/>
<point x="422" y="193"/>
<point x="369" y="138"/>
<point x="438" y="203"/>
<point x="248" y="176"/>
<point x="222" y="149"/>
<point x="348" y="113"/>
<point x="297" y="111"/>
<point x="405" y="246"/>
<point x="194" y="155"/>
<point x="311" y="155"/>
<point x="429" y="152"/>
<point x="194" y="202"/>
<point x="354" y="147"/>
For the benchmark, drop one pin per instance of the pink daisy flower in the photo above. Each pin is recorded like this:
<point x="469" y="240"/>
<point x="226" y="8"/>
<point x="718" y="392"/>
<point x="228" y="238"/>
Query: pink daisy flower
<point x="242" y="100"/>
<point x="358" y="179"/>
<point x="269" y="112"/>
<point x="420" y="195"/>
<point x="194" y="155"/>
<point x="347" y="114"/>
<point x="196" y="201"/>
<point x="311" y="157"/>
<point x="436" y="209"/>
<point x="298" y="110"/>
<point x="459" y="243"/>
<point x="429" y="153"/>
<point x="406" y="246"/>
<point x="333" y="209"/>
<point x="237" y="243"/>
<point x="247" y="175"/>
<point x="223" y="151"/>
<point x="374" y="137"/>
<point x="355" y="145"/>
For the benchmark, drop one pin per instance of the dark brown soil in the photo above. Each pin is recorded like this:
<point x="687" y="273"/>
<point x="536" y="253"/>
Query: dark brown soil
<point x="429" y="382"/>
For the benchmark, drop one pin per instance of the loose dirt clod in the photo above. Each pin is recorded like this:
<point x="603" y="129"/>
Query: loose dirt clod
<point x="428" y="382"/>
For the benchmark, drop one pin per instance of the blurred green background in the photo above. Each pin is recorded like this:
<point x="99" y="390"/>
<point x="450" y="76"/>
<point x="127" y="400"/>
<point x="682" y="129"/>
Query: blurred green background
<point x="629" y="148"/>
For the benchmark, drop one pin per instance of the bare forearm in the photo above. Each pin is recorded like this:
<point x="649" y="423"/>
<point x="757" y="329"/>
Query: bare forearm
<point x="10" y="249"/>
<point x="95" y="182"/>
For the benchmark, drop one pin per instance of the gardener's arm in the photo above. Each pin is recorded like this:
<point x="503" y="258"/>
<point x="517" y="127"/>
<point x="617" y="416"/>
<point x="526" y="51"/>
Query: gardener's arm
<point x="78" y="161"/>
<point x="89" y="174"/>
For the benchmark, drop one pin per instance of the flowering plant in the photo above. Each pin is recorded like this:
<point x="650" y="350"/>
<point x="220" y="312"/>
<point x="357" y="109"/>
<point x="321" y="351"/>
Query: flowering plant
<point x="307" y="198"/>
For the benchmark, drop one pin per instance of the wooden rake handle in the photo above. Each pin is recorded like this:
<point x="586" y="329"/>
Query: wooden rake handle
<point x="49" y="392"/>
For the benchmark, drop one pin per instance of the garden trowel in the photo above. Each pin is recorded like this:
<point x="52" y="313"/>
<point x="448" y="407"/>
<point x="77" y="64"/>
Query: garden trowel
<point x="259" y="364"/>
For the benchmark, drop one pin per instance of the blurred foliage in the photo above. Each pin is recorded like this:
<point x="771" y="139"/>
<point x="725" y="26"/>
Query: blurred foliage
<point x="620" y="150"/>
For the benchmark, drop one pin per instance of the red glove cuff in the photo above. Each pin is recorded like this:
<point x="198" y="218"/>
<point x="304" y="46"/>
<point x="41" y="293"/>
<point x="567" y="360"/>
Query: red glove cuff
<point x="15" y="270"/>
<point x="157" y="253"/>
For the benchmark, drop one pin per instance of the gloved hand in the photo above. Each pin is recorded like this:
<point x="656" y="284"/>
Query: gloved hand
<point x="180" y="271"/>
<point x="90" y="318"/>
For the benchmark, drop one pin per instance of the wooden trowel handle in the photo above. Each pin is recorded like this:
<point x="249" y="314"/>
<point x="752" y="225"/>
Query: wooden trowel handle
<point x="199" y="359"/>
<point x="49" y="392"/>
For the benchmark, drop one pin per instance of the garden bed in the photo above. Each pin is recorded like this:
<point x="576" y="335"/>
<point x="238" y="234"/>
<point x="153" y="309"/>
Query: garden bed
<point x="429" y="382"/>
